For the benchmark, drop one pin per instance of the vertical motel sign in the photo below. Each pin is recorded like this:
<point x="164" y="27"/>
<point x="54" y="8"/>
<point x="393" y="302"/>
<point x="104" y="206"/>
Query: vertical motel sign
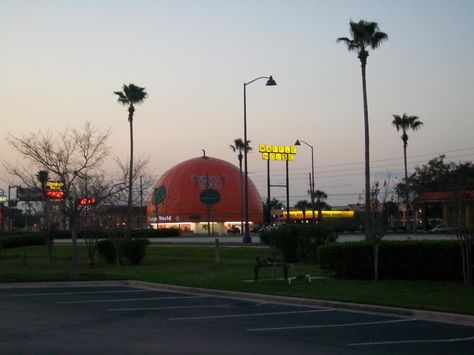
<point x="284" y="153"/>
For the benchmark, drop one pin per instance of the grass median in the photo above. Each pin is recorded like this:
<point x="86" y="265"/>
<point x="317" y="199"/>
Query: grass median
<point x="195" y="266"/>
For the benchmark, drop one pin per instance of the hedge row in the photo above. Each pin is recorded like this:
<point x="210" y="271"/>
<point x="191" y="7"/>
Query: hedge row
<point x="100" y="233"/>
<point x="298" y="242"/>
<point x="120" y="233"/>
<point x="17" y="241"/>
<point x="403" y="260"/>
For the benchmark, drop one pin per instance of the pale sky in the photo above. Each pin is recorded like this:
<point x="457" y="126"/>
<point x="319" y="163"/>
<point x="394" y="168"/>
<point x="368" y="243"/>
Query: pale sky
<point x="60" y="62"/>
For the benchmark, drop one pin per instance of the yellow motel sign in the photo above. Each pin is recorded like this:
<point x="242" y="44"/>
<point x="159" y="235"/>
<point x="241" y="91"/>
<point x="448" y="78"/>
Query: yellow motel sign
<point x="277" y="152"/>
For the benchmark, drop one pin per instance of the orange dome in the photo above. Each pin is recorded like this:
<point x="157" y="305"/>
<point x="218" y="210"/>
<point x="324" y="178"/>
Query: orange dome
<point x="200" y="189"/>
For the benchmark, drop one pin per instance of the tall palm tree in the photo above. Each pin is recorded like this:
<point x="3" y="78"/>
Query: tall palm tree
<point x="239" y="147"/>
<point x="364" y="35"/>
<point x="405" y="123"/>
<point x="131" y="95"/>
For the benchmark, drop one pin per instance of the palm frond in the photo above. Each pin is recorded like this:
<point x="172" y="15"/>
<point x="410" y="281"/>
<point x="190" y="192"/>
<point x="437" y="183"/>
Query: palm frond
<point x="377" y="39"/>
<point x="131" y="94"/>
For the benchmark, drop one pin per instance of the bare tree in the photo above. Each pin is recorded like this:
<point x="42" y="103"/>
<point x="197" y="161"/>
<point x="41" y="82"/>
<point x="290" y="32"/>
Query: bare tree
<point x="65" y="155"/>
<point x="379" y="219"/>
<point x="459" y="207"/>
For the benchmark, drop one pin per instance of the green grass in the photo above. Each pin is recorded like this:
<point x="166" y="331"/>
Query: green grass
<point x="195" y="266"/>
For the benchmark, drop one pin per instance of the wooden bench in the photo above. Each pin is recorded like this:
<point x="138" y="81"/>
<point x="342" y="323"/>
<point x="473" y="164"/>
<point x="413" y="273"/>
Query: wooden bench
<point x="288" y="269"/>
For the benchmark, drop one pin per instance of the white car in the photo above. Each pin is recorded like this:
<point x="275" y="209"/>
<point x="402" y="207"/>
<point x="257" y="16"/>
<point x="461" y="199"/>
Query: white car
<point x="443" y="228"/>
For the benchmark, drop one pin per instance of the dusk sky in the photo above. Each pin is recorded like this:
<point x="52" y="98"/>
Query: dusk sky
<point x="61" y="61"/>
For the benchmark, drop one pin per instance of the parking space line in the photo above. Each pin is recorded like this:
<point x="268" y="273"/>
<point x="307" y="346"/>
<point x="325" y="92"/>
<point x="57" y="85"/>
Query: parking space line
<point x="132" y="299"/>
<point x="171" y="307"/>
<point x="251" y="314"/>
<point x="76" y="293"/>
<point x="332" y="325"/>
<point x="449" y="340"/>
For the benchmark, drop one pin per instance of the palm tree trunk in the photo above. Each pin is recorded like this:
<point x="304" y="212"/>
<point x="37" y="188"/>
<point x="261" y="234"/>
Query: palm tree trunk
<point x="130" y="177"/>
<point x="241" y="198"/>
<point x="75" y="259"/>
<point x="376" y="249"/>
<point x="368" y="226"/>
<point x="407" y="214"/>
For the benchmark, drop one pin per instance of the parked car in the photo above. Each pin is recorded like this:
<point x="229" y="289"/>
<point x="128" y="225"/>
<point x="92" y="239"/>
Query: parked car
<point x="442" y="228"/>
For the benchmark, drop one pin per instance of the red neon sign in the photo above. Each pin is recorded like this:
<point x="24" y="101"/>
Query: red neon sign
<point x="58" y="194"/>
<point x="87" y="201"/>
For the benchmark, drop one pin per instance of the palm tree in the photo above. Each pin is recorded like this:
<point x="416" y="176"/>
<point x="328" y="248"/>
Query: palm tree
<point x="364" y="34"/>
<point x="131" y="95"/>
<point x="239" y="147"/>
<point x="43" y="176"/>
<point x="320" y="195"/>
<point x="303" y="205"/>
<point x="405" y="123"/>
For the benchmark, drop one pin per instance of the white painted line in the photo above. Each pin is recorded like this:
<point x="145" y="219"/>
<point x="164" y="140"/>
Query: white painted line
<point x="76" y="293"/>
<point x="251" y="314"/>
<point x="131" y="299"/>
<point x="449" y="340"/>
<point x="172" y="307"/>
<point x="331" y="325"/>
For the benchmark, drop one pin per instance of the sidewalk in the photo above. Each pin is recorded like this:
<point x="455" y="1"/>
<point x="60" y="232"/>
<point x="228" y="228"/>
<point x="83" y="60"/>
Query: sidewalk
<point x="193" y="239"/>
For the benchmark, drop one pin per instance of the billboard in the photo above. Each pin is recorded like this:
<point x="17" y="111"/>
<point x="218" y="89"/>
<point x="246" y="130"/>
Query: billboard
<point x="29" y="194"/>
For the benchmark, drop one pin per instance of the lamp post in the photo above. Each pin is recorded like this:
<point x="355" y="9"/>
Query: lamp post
<point x="270" y="82"/>
<point x="298" y="142"/>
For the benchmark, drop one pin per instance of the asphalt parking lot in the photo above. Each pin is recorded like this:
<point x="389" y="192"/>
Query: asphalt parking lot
<point x="122" y="319"/>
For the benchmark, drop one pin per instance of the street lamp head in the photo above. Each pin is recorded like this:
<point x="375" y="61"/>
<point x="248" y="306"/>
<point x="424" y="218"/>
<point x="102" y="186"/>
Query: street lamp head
<point x="270" y="81"/>
<point x="297" y="142"/>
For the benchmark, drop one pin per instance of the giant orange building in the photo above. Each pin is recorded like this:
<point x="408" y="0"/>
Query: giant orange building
<point x="202" y="195"/>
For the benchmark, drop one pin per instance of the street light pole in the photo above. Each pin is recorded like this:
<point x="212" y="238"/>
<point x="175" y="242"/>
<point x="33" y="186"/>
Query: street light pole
<point x="270" y="82"/>
<point x="298" y="142"/>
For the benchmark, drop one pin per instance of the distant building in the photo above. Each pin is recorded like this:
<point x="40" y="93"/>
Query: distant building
<point x="202" y="195"/>
<point x="450" y="206"/>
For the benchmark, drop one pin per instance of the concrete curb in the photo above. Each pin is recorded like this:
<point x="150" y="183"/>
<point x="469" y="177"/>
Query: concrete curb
<point x="443" y="317"/>
<point x="309" y="302"/>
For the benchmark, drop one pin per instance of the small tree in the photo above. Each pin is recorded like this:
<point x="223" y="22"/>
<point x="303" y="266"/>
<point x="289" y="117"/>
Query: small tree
<point x="380" y="210"/>
<point x="274" y="204"/>
<point x="303" y="205"/>
<point x="321" y="197"/>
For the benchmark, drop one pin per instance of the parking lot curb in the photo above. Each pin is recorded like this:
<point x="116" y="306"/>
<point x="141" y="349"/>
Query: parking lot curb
<point x="444" y="317"/>
<point x="310" y="302"/>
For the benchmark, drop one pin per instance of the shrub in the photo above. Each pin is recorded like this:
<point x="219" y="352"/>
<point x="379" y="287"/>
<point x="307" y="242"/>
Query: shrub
<point x="407" y="260"/>
<point x="135" y="250"/>
<point x="108" y="250"/>
<point x="132" y="249"/>
<point x="349" y="260"/>
<point x="155" y="233"/>
<point x="17" y="241"/>
<point x="298" y="242"/>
